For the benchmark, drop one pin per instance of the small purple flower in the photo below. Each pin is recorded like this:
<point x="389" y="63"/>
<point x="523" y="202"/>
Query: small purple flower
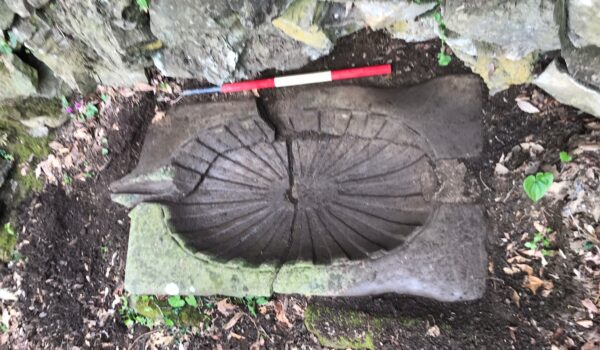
<point x="78" y="106"/>
<point x="69" y="110"/>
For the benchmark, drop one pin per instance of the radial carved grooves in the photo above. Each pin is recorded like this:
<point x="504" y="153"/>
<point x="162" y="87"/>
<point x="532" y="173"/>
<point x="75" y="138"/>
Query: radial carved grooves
<point x="315" y="198"/>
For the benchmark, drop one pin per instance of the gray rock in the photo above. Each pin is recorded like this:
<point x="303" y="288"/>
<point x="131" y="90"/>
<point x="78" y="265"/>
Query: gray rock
<point x="420" y="29"/>
<point x="220" y="40"/>
<point x="5" y="167"/>
<point x="20" y="7"/>
<point x="38" y="3"/>
<point x="85" y="45"/>
<point x="584" y="64"/>
<point x="6" y="15"/>
<point x="556" y="81"/>
<point x="17" y="79"/>
<point x="584" y="22"/>
<point x="519" y="27"/>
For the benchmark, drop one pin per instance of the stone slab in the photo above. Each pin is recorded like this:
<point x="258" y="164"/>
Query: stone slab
<point x="556" y="81"/>
<point x="340" y="190"/>
<point x="447" y="261"/>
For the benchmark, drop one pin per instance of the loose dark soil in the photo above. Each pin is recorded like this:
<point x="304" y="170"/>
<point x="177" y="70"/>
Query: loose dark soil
<point x="78" y="241"/>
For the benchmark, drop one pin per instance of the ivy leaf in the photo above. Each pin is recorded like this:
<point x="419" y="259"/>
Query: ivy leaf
<point x="537" y="185"/>
<point x="143" y="5"/>
<point x="90" y="110"/>
<point x="530" y="245"/>
<point x="191" y="301"/>
<point x="565" y="157"/>
<point x="443" y="59"/>
<point x="176" y="301"/>
<point x="261" y="301"/>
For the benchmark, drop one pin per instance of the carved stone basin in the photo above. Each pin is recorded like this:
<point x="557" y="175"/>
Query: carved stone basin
<point x="329" y="177"/>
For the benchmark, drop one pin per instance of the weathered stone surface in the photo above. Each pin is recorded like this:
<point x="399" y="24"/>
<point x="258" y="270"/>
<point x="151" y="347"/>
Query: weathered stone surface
<point x="17" y="79"/>
<point x="497" y="70"/>
<point x="557" y="82"/>
<point x="420" y="29"/>
<point x="6" y="15"/>
<point x="346" y="196"/>
<point x="19" y="7"/>
<point x="519" y="27"/>
<point x="381" y="14"/>
<point x="584" y="64"/>
<point x="584" y="22"/>
<point x="218" y="40"/>
<point x="86" y="45"/>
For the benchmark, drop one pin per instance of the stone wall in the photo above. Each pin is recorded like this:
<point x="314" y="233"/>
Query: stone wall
<point x="54" y="47"/>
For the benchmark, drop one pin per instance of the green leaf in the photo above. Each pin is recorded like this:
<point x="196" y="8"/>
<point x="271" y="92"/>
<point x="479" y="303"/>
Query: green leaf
<point x="565" y="157"/>
<point x="169" y="322"/>
<point x="129" y="322"/>
<point x="4" y="47"/>
<point x="261" y="301"/>
<point x="9" y="229"/>
<point x="537" y="185"/>
<point x="142" y="4"/>
<point x="588" y="245"/>
<point x="64" y="102"/>
<point x="530" y="245"/>
<point x="191" y="301"/>
<point x="104" y="97"/>
<point x="443" y="59"/>
<point x="90" y="110"/>
<point x="437" y="16"/>
<point x="105" y="151"/>
<point x="538" y="237"/>
<point x="176" y="301"/>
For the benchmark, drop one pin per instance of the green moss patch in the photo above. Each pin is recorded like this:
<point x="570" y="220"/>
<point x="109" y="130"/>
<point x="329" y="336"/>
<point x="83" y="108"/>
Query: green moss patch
<point x="148" y="310"/>
<point x="8" y="241"/>
<point x="343" y="329"/>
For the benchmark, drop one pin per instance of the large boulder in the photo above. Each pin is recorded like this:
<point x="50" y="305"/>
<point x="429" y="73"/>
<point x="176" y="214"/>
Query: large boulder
<point x="6" y="15"/>
<point x="519" y="27"/>
<point x="17" y="79"/>
<point x="584" y="22"/>
<point x="86" y="44"/>
<point x="219" y="40"/>
<point x="556" y="81"/>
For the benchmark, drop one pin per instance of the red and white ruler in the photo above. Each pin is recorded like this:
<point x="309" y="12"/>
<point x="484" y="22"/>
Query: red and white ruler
<point x="294" y="80"/>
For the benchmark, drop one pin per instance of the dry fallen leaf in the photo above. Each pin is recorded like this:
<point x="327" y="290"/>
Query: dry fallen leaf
<point x="225" y="307"/>
<point x="525" y="268"/>
<point x="527" y="107"/>
<point x="143" y="87"/>
<point x="158" y="117"/>
<point x="280" y="314"/>
<point x="534" y="283"/>
<point x="236" y="336"/>
<point x="233" y="321"/>
<point x="585" y="323"/>
<point x="433" y="331"/>
<point x="516" y="299"/>
<point x="590" y="306"/>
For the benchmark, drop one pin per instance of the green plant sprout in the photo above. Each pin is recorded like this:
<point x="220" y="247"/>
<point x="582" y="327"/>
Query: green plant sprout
<point x="540" y="242"/>
<point x="442" y="57"/>
<point x="565" y="157"/>
<point x="251" y="302"/>
<point x="9" y="229"/>
<point x="6" y="156"/>
<point x="537" y="185"/>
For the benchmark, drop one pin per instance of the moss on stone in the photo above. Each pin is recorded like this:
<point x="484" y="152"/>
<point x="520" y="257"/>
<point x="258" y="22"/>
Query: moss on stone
<point x="158" y="311"/>
<point x="8" y="241"/>
<point x="25" y="149"/>
<point x="349" y="329"/>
